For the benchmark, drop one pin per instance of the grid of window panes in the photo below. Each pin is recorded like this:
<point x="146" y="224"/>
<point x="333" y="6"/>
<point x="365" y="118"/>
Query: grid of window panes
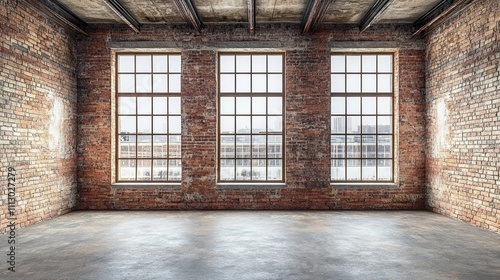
<point x="251" y="117"/>
<point x="148" y="117"/>
<point x="362" y="117"/>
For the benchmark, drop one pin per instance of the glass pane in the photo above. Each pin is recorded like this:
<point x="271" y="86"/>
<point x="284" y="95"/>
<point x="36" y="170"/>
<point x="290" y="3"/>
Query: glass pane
<point x="126" y="105"/>
<point x="227" y="105"/>
<point x="274" y="169"/>
<point x="275" y="63"/>
<point x="259" y="105"/>
<point x="274" y="124"/>
<point x="227" y="83"/>
<point x="259" y="83"/>
<point x="174" y="146"/>
<point x="227" y="146"/>
<point x="384" y="83"/>
<point x="259" y="169"/>
<point x="243" y="83"/>
<point x="144" y="105"/>
<point x="243" y="63"/>
<point x="243" y="170"/>
<point x="385" y="170"/>
<point x="369" y="83"/>
<point x="338" y="124"/>
<point x="353" y="105"/>
<point x="126" y="146"/>
<point x="275" y="82"/>
<point x="160" y="83"/>
<point x="144" y="146"/>
<point x="174" y="105"/>
<point x="160" y="169"/>
<point x="258" y="124"/>
<point x="369" y="63"/>
<point x="384" y="146"/>
<point x="174" y="124"/>
<point x="243" y="146"/>
<point x="144" y="170"/>
<point x="338" y="83"/>
<point x="243" y="124"/>
<point x="353" y="124"/>
<point x="259" y="146"/>
<point x="338" y="169"/>
<point x="143" y="64"/>
<point x="385" y="63"/>
<point x="144" y="124"/>
<point x="369" y="124"/>
<point x="242" y="105"/>
<point x="126" y="83"/>
<point x="338" y="64"/>
<point x="369" y="170"/>
<point x="174" y="83"/>
<point x="160" y="146"/>
<point x="126" y="124"/>
<point x="384" y="124"/>
<point x="159" y="63"/>
<point x="369" y="105"/>
<point x="353" y="169"/>
<point x="337" y="105"/>
<point x="274" y="146"/>
<point x="125" y="63"/>
<point x="258" y="63"/>
<point x="226" y="63"/>
<point x="143" y="82"/>
<point x="338" y="146"/>
<point x="126" y="169"/>
<point x="159" y="105"/>
<point x="353" y="63"/>
<point x="159" y="124"/>
<point x="353" y="83"/>
<point x="275" y="105"/>
<point x="353" y="146"/>
<point x="174" y="170"/>
<point x="369" y="147"/>
<point x="174" y="64"/>
<point x="227" y="169"/>
<point x="227" y="124"/>
<point x="384" y="105"/>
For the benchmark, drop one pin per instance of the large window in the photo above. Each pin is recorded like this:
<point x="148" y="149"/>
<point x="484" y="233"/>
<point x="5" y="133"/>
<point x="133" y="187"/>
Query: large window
<point x="148" y="136"/>
<point x="251" y="117"/>
<point x="362" y="130"/>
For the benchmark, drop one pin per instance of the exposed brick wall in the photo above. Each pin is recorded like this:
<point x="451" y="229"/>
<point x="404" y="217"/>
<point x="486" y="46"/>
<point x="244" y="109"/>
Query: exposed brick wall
<point x="463" y="105"/>
<point x="37" y="114"/>
<point x="307" y="122"/>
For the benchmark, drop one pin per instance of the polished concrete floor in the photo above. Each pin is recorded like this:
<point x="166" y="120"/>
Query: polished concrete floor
<point x="253" y="245"/>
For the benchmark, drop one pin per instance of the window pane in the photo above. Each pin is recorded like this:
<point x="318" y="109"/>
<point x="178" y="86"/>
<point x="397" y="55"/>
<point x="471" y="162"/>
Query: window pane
<point x="274" y="124"/>
<point x="159" y="105"/>
<point x="227" y="82"/>
<point x="369" y="105"/>
<point x="259" y="169"/>
<point x="337" y="105"/>
<point x="174" y="83"/>
<point x="126" y="105"/>
<point x="144" y="105"/>
<point x="174" y="64"/>
<point x="243" y="63"/>
<point x="143" y="82"/>
<point x="275" y="63"/>
<point x="274" y="146"/>
<point x="353" y="124"/>
<point x="126" y="146"/>
<point x="160" y="146"/>
<point x="353" y="146"/>
<point x="227" y="124"/>
<point x="174" y="146"/>
<point x="259" y="63"/>
<point x="174" y="169"/>
<point x="259" y="83"/>
<point x="385" y="170"/>
<point x="338" y="169"/>
<point x="275" y="82"/>
<point x="144" y="124"/>
<point x="243" y="146"/>
<point x="226" y="63"/>
<point x="385" y="83"/>
<point x="243" y="171"/>
<point x="160" y="63"/>
<point x="242" y="105"/>
<point x="275" y="105"/>
<point x="160" y="169"/>
<point x="338" y="146"/>
<point x="227" y="171"/>
<point x="369" y="83"/>
<point x="338" y="83"/>
<point x="369" y="124"/>
<point x="369" y="170"/>
<point x="144" y="170"/>
<point x="243" y="124"/>
<point x="353" y="169"/>
<point x="160" y="124"/>
<point x="126" y="169"/>
<point x="353" y="105"/>
<point x="338" y="124"/>
<point x="243" y="83"/>
<point x="227" y="146"/>
<point x="160" y="83"/>
<point x="144" y="146"/>
<point x="174" y="105"/>
<point x="369" y="63"/>
<point x="258" y="124"/>
<point x="369" y="147"/>
<point x="143" y="64"/>
<point x="126" y="63"/>
<point x="353" y="83"/>
<point x="227" y="105"/>
<point x="126" y="83"/>
<point x="385" y="63"/>
<point x="385" y="105"/>
<point x="259" y="146"/>
<point x="353" y="63"/>
<point x="338" y="64"/>
<point x="174" y="124"/>
<point x="384" y="146"/>
<point x="126" y="124"/>
<point x="384" y="124"/>
<point x="274" y="167"/>
<point x="259" y="105"/>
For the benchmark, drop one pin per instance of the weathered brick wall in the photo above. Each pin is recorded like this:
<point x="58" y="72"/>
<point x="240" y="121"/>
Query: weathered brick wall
<point x="37" y="114"/>
<point x="463" y="105"/>
<point x="307" y="117"/>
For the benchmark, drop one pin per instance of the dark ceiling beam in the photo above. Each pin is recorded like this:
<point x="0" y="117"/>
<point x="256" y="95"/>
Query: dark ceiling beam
<point x="189" y="13"/>
<point x="439" y="13"/>
<point x="251" y="16"/>
<point x="314" y="14"/>
<point x="118" y="8"/>
<point x="58" y="12"/>
<point x="374" y="14"/>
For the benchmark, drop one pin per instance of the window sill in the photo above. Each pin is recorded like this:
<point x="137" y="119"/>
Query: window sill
<point x="147" y="185"/>
<point x="250" y="186"/>
<point x="388" y="185"/>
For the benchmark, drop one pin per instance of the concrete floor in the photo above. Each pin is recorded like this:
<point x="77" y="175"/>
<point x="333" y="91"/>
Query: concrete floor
<point x="253" y="245"/>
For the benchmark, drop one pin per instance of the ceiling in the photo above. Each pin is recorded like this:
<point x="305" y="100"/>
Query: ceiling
<point x="199" y="12"/>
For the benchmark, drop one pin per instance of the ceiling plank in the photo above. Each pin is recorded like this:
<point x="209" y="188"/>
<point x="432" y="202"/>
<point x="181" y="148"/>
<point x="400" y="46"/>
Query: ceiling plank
<point x="314" y="14"/>
<point x="439" y="13"/>
<point x="251" y="16"/>
<point x="189" y="13"/>
<point x="374" y="14"/>
<point x="118" y="8"/>
<point x="58" y="12"/>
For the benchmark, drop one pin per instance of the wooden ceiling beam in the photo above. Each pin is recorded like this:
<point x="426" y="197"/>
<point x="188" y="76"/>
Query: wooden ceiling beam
<point x="374" y="14"/>
<point x="189" y="13"/>
<point x="314" y="14"/>
<point x="58" y="12"/>
<point x="118" y="8"/>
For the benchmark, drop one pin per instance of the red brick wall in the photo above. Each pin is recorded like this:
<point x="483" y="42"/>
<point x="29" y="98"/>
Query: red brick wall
<point x="463" y="105"/>
<point x="307" y="122"/>
<point x="37" y="114"/>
